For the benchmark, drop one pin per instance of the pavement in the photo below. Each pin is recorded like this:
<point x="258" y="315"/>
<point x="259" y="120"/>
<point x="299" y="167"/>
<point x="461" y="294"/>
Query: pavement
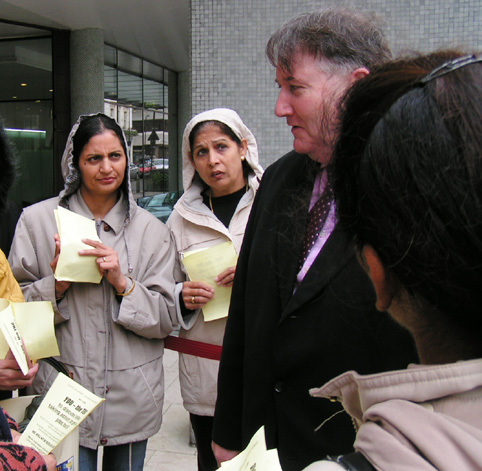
<point x="169" y="449"/>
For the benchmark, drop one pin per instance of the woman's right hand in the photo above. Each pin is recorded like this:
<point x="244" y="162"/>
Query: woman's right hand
<point x="196" y="294"/>
<point x="60" y="286"/>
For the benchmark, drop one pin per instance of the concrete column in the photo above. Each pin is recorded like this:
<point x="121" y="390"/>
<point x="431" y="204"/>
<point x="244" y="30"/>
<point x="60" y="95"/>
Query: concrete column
<point x="87" y="71"/>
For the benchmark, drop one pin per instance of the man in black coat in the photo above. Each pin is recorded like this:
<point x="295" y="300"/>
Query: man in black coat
<point x="297" y="321"/>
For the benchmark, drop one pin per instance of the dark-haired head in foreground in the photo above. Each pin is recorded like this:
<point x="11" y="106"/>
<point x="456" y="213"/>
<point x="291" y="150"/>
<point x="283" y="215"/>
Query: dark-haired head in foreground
<point x="408" y="185"/>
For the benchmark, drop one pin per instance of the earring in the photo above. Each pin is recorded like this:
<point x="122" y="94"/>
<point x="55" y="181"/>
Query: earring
<point x="243" y="157"/>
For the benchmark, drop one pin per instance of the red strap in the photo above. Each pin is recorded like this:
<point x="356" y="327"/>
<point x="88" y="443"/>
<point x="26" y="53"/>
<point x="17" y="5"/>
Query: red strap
<point x="193" y="347"/>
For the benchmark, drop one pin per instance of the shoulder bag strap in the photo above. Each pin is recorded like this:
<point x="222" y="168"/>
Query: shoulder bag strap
<point x="352" y="462"/>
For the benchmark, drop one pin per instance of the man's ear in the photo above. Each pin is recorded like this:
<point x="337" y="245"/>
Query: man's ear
<point x="379" y="276"/>
<point x="359" y="73"/>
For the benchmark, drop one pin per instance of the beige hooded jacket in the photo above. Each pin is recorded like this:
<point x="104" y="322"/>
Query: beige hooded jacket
<point x="112" y="345"/>
<point x="425" y="418"/>
<point x="194" y="226"/>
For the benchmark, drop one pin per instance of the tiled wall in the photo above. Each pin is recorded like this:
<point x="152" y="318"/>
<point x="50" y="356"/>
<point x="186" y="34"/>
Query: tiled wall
<point x="229" y="67"/>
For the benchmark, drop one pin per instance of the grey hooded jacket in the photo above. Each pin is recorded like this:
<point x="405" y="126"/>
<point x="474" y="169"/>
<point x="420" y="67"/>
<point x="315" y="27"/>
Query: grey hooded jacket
<point x="112" y="345"/>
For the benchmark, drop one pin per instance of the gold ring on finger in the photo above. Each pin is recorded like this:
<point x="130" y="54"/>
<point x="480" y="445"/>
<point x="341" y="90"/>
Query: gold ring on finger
<point x="192" y="299"/>
<point x="103" y="258"/>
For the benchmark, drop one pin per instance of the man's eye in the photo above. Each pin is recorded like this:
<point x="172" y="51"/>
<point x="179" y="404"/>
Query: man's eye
<point x="294" y="88"/>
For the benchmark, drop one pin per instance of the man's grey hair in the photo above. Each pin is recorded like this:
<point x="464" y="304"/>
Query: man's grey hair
<point x="346" y="38"/>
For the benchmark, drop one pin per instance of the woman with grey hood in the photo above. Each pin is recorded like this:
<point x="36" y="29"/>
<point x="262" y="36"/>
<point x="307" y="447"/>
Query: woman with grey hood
<point x="221" y="176"/>
<point x="109" y="334"/>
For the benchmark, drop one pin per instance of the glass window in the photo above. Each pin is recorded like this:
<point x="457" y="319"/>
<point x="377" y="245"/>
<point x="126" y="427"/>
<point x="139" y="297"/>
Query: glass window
<point x="26" y="69"/>
<point x="110" y="73"/>
<point x="136" y="94"/>
<point x="110" y="56"/>
<point x="130" y="89"/>
<point x="129" y="63"/>
<point x="26" y="98"/>
<point x="29" y="127"/>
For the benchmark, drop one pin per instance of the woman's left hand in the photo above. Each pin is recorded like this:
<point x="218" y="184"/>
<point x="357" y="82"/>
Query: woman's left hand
<point x="107" y="262"/>
<point x="226" y="277"/>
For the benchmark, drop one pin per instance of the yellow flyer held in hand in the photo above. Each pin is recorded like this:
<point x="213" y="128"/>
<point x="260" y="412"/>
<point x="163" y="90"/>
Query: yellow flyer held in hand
<point x="254" y="457"/>
<point x="32" y="322"/>
<point x="63" y="408"/>
<point x="72" y="228"/>
<point x="204" y="265"/>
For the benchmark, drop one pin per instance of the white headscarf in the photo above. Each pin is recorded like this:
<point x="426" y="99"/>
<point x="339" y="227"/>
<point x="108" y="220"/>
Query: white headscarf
<point x="231" y="119"/>
<point x="71" y="175"/>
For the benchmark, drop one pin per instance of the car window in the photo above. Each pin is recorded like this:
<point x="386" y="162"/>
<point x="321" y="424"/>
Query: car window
<point x="156" y="200"/>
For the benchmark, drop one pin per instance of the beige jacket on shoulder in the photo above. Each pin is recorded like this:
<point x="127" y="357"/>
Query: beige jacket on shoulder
<point x="424" y="418"/>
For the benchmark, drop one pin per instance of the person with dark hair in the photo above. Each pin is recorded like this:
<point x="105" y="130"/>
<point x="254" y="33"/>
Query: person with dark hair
<point x="110" y="334"/>
<point x="9" y="288"/>
<point x="301" y="307"/>
<point x="13" y="456"/>
<point x="9" y="212"/>
<point x="11" y="377"/>
<point x="221" y="175"/>
<point x="407" y="175"/>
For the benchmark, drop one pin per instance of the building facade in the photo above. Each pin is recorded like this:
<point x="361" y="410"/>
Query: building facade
<point x="229" y="67"/>
<point x="154" y="64"/>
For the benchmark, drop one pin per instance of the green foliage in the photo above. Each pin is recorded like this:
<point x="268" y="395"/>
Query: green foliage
<point x="157" y="181"/>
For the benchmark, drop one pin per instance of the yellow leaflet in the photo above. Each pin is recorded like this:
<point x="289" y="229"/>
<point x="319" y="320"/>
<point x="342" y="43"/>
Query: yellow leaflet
<point x="204" y="265"/>
<point x="63" y="408"/>
<point x="72" y="228"/>
<point x="34" y="322"/>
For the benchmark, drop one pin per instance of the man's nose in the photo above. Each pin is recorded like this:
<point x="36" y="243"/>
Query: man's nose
<point x="282" y="107"/>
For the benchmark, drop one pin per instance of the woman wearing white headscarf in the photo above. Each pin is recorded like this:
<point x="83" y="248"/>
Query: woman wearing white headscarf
<point x="221" y="175"/>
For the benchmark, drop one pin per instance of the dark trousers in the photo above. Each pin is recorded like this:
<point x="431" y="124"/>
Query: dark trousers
<point x="202" y="427"/>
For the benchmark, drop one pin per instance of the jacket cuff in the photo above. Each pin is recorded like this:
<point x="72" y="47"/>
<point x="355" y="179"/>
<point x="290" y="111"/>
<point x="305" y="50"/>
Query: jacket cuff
<point x="185" y="320"/>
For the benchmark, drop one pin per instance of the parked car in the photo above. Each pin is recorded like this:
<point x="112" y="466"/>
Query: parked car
<point x="161" y="205"/>
<point x="172" y="197"/>
<point x="134" y="171"/>
<point x="160" y="164"/>
<point x="143" y="200"/>
<point x="144" y="169"/>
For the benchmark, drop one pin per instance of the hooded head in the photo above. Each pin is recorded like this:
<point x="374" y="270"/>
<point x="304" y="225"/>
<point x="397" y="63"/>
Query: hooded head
<point x="83" y="130"/>
<point x="232" y="120"/>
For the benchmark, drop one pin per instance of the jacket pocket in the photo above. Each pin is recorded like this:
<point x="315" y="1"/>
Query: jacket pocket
<point x="151" y="383"/>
